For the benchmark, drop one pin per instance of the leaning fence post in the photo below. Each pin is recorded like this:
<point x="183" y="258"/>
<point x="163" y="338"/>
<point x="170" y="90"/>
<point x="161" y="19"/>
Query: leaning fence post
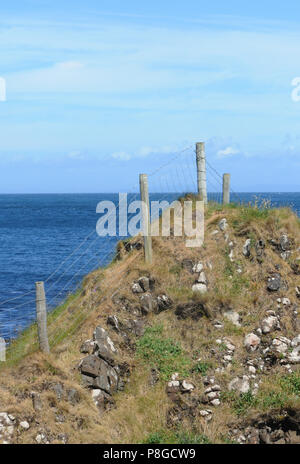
<point x="146" y="218"/>
<point x="201" y="171"/>
<point x="226" y="189"/>
<point x="41" y="317"/>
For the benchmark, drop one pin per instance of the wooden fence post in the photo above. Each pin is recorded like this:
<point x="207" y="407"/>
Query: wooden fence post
<point x="146" y="218"/>
<point x="41" y="317"/>
<point x="226" y="189"/>
<point x="201" y="171"/>
<point x="2" y="349"/>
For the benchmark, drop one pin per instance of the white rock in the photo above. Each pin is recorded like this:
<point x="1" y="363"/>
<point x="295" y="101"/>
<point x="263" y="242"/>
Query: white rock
<point x="201" y="288"/>
<point x="208" y="390"/>
<point x="294" y="356"/>
<point x="233" y="317"/>
<point x="223" y="224"/>
<point x="202" y="278"/>
<point x="269" y="324"/>
<point x="212" y="395"/>
<point x="6" y="419"/>
<point x="9" y="430"/>
<point x="296" y="341"/>
<point x="252" y="369"/>
<point x="95" y="393"/>
<point x="246" y="247"/>
<point x="239" y="384"/>
<point x="208" y="380"/>
<point x="198" y="267"/>
<point x="40" y="438"/>
<point x="174" y="383"/>
<point x="24" y="425"/>
<point x="251" y="342"/>
<point x="205" y="412"/>
<point x="281" y="344"/>
<point x="186" y="386"/>
<point x="216" y="388"/>
<point x="229" y="345"/>
<point x="218" y="326"/>
<point x="215" y="402"/>
<point x="286" y="301"/>
<point x="136" y="288"/>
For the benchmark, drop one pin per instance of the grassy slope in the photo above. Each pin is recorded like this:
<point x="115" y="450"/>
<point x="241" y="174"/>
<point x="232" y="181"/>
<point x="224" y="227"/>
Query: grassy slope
<point x="169" y="344"/>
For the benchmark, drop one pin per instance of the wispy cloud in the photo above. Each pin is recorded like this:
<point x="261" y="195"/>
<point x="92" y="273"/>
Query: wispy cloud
<point x="226" y="152"/>
<point x="127" y="88"/>
<point x="144" y="152"/>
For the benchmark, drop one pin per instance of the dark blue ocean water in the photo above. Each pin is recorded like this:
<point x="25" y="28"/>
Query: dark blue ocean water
<point x="38" y="232"/>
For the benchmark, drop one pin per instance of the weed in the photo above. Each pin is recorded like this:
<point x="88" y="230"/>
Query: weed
<point x="240" y="403"/>
<point x="202" y="367"/>
<point x="163" y="353"/>
<point x="181" y="437"/>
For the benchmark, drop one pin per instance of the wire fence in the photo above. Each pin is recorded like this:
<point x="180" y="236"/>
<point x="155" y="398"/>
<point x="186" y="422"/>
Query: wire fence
<point x="169" y="181"/>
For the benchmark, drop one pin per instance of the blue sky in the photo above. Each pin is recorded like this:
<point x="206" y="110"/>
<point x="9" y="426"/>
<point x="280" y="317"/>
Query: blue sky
<point x="98" y="91"/>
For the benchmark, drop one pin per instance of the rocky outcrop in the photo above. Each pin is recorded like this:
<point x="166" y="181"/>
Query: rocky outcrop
<point x="100" y="370"/>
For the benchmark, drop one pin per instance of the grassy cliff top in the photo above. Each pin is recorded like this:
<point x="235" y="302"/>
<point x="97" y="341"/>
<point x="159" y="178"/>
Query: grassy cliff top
<point x="198" y="335"/>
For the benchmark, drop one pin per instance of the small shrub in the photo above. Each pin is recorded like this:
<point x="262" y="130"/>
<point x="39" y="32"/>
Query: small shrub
<point x="240" y="403"/>
<point x="202" y="367"/>
<point x="190" y="438"/>
<point x="159" y="437"/>
<point x="291" y="383"/>
<point x="165" y="354"/>
<point x="180" y="437"/>
<point x="273" y="399"/>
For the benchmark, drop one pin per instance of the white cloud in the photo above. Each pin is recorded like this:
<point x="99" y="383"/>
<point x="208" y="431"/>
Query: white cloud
<point x="122" y="156"/>
<point x="126" y="57"/>
<point x="145" y="152"/>
<point x="226" y="152"/>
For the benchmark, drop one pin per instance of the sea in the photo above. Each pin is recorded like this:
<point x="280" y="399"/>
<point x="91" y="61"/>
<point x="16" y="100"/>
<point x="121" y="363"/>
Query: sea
<point x="53" y="238"/>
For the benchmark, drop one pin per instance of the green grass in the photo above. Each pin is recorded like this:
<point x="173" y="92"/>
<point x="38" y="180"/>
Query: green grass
<point x="259" y="211"/>
<point x="235" y="282"/>
<point x="240" y="403"/>
<point x="273" y="400"/>
<point x="285" y="390"/>
<point x="202" y="367"/>
<point x="162" y="353"/>
<point x="291" y="383"/>
<point x="27" y="342"/>
<point x="181" y="437"/>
